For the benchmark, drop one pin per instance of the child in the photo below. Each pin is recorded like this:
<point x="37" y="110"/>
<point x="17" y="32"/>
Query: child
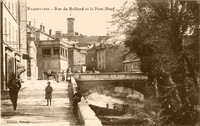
<point x="48" y="94"/>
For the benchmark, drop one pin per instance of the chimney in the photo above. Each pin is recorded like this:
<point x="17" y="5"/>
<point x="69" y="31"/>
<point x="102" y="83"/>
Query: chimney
<point x="29" y="23"/>
<point x="41" y="27"/>
<point x="49" y="31"/>
<point x="76" y="33"/>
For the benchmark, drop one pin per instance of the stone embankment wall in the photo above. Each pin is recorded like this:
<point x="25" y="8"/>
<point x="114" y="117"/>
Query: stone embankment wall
<point x="86" y="114"/>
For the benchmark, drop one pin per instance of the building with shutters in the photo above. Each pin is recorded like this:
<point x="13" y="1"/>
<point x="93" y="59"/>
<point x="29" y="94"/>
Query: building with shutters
<point x="52" y="56"/>
<point x="131" y="62"/>
<point x="13" y="39"/>
<point x="91" y="59"/>
<point x="77" y="59"/>
<point x="109" y="57"/>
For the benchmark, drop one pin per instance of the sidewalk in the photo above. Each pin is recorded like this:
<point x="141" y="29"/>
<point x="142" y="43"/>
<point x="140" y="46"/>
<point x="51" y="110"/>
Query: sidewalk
<point x="27" y="83"/>
<point x="5" y="94"/>
<point x="32" y="107"/>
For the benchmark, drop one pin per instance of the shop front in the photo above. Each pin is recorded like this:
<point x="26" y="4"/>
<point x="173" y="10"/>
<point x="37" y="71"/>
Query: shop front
<point x="12" y="65"/>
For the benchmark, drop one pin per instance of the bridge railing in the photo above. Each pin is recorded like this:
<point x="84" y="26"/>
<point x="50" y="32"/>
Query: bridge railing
<point x="110" y="76"/>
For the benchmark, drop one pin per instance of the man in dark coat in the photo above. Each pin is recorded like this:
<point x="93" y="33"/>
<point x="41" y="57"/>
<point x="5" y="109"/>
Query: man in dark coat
<point x="14" y="85"/>
<point x="77" y="98"/>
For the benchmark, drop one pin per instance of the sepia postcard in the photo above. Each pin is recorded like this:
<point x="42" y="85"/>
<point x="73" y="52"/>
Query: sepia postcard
<point x="100" y="62"/>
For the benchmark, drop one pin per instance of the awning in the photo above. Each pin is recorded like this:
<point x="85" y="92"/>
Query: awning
<point x="20" y="68"/>
<point x="17" y="56"/>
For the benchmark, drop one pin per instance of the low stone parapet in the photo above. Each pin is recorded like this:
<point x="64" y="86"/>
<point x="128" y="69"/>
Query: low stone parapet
<point x="85" y="113"/>
<point x="110" y="76"/>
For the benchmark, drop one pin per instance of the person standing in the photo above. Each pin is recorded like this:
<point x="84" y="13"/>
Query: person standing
<point x="77" y="98"/>
<point x="48" y="93"/>
<point x="14" y="86"/>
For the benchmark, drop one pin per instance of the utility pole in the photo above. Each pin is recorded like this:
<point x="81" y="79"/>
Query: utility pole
<point x="1" y="44"/>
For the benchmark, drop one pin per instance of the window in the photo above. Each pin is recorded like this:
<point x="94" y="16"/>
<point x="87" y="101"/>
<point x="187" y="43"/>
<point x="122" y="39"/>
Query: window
<point x="16" y="14"/>
<point x="61" y="51"/>
<point x="46" y="51"/>
<point x="66" y="53"/>
<point x="56" y="51"/>
<point x="13" y="36"/>
<point x="9" y="5"/>
<point x="9" y="31"/>
<point x="125" y="68"/>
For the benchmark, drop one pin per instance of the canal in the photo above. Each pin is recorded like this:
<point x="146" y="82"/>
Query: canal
<point x="118" y="105"/>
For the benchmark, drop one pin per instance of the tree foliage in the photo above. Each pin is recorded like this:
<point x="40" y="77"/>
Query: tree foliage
<point x="158" y="38"/>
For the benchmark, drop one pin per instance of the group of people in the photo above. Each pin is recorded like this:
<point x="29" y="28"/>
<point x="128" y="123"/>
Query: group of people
<point x="14" y="86"/>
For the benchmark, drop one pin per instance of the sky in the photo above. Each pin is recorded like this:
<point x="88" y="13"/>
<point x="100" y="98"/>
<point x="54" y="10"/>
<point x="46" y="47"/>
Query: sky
<point x="92" y="19"/>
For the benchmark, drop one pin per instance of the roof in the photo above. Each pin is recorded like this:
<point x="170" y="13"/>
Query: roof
<point x="38" y="30"/>
<point x="65" y="42"/>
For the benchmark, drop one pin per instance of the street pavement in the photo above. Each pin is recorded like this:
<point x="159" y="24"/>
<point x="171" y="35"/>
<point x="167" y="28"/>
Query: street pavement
<point x="32" y="107"/>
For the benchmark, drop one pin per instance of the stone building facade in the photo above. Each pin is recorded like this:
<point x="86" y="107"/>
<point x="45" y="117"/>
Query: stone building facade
<point x="77" y="59"/>
<point x="32" y="40"/>
<point x="52" y="57"/>
<point x="131" y="63"/>
<point x="101" y="58"/>
<point x="91" y="59"/>
<point x="110" y="57"/>
<point x="23" y="35"/>
<point x="13" y="39"/>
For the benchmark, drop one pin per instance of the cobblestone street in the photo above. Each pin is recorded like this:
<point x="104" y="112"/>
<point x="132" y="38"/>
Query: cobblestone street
<point x="32" y="107"/>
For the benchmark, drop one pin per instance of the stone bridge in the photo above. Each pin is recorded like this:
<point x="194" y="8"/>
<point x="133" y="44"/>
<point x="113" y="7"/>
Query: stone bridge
<point x="136" y="81"/>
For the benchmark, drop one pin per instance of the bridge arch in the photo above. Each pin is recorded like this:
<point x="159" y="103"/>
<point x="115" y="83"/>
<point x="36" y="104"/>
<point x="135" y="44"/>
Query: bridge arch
<point x="87" y="85"/>
<point x="136" y="81"/>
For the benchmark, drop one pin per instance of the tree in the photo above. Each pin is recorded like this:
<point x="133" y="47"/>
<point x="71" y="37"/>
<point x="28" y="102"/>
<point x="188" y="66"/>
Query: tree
<point x="157" y="37"/>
